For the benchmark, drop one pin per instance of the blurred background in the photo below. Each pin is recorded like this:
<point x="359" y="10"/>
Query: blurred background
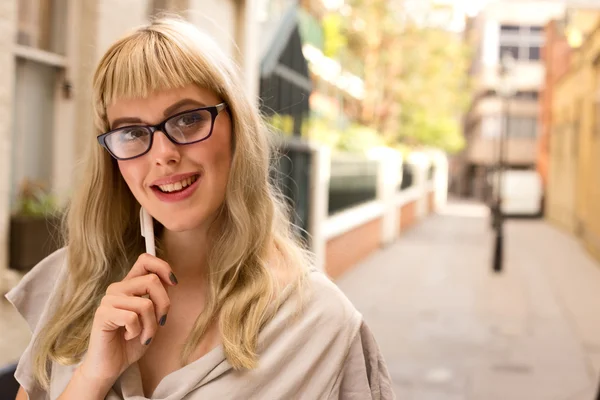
<point x="441" y="157"/>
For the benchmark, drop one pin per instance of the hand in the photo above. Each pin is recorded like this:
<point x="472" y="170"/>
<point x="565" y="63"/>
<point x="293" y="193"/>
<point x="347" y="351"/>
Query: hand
<point x="125" y="322"/>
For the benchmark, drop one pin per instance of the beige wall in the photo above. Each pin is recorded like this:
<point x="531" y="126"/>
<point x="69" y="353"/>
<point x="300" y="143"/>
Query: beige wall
<point x="523" y="12"/>
<point x="8" y="16"/>
<point x="518" y="151"/>
<point x="573" y="190"/>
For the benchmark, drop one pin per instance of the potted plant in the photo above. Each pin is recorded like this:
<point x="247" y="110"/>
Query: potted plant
<point x="34" y="227"/>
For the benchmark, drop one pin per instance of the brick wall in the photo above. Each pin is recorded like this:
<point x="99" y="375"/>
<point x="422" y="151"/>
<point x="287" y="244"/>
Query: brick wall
<point x="408" y="215"/>
<point x="556" y="55"/>
<point x="431" y="202"/>
<point x="344" y="251"/>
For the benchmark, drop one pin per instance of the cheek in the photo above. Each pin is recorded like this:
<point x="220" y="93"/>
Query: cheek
<point x="221" y="156"/>
<point x="132" y="173"/>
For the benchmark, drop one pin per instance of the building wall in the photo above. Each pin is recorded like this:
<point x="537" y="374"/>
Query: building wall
<point x="564" y="151"/>
<point x="483" y="122"/>
<point x="556" y="57"/>
<point x="573" y="185"/>
<point x="588" y="184"/>
<point x="8" y="18"/>
<point x="344" y="251"/>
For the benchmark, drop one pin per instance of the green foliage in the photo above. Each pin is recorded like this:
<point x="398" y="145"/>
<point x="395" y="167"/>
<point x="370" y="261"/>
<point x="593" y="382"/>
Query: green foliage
<point x="282" y="123"/>
<point x="334" y="40"/>
<point x="35" y="201"/>
<point x="353" y="137"/>
<point x="415" y="70"/>
<point x="359" y="138"/>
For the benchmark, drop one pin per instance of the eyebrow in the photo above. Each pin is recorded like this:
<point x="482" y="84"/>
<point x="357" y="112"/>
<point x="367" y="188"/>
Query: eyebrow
<point x="185" y="102"/>
<point x="168" y="111"/>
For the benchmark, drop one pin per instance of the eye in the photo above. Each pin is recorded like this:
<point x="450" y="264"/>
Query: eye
<point x="189" y="120"/>
<point x="132" y="134"/>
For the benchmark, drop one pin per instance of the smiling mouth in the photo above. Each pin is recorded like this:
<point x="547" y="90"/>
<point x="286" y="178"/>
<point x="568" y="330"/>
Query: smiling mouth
<point x="177" y="186"/>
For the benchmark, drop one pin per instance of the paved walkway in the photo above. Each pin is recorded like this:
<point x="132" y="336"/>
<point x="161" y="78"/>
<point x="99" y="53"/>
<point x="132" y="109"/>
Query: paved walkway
<point x="450" y="329"/>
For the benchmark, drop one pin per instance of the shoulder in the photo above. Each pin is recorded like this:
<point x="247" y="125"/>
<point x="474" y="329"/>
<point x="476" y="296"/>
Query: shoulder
<point x="365" y="373"/>
<point x="33" y="292"/>
<point x="325" y="298"/>
<point x="317" y="303"/>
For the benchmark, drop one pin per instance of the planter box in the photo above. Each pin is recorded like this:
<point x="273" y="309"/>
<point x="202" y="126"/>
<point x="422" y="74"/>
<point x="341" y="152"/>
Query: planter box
<point x="32" y="239"/>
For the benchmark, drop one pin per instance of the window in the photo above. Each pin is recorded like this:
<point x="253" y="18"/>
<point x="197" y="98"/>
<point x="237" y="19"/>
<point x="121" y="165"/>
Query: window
<point x="512" y="50"/>
<point x="41" y="24"/>
<point x="509" y="29"/>
<point x="522" y="127"/>
<point x="157" y="6"/>
<point x="523" y="42"/>
<point x="527" y="95"/>
<point x="534" y="53"/>
<point x="39" y="67"/>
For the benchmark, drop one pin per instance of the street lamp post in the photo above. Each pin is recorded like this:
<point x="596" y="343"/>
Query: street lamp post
<point x="505" y="90"/>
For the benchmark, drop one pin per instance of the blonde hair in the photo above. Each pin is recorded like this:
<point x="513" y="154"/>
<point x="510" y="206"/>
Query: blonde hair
<point x="103" y="226"/>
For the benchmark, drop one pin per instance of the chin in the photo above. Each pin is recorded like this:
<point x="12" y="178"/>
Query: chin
<point x="182" y="225"/>
<point x="187" y="220"/>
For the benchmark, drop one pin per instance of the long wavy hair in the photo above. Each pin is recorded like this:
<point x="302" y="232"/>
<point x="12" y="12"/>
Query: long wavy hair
<point x="102" y="223"/>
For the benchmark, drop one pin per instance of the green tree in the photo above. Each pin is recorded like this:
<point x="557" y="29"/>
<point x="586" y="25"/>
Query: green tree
<point x="415" y="70"/>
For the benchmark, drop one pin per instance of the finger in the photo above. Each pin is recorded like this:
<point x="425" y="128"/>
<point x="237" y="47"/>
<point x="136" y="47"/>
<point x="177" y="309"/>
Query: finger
<point x="112" y="319"/>
<point x="150" y="285"/>
<point x="143" y="307"/>
<point x="148" y="264"/>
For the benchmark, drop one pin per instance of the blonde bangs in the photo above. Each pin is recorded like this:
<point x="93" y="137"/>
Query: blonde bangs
<point x="149" y="61"/>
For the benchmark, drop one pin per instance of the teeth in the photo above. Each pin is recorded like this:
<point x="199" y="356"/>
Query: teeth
<point x="173" y="187"/>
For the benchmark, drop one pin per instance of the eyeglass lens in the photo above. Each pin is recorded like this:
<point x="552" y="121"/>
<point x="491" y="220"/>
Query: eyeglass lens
<point x="185" y="128"/>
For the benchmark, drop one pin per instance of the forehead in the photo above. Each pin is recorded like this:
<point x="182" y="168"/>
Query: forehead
<point x="153" y="106"/>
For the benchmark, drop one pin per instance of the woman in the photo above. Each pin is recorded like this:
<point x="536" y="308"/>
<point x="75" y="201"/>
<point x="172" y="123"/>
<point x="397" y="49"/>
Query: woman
<point x="247" y="317"/>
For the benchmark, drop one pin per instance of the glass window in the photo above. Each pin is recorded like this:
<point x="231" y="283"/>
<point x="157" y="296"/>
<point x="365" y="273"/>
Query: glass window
<point x="513" y="50"/>
<point x="32" y="137"/>
<point x="537" y="30"/>
<point x="523" y="42"/>
<point x="509" y="28"/>
<point x="534" y="53"/>
<point x="158" y="6"/>
<point x="41" y="24"/>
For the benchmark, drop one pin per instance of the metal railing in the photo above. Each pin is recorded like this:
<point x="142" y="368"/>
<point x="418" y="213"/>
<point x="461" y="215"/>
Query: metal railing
<point x="292" y="174"/>
<point x="408" y="176"/>
<point x="353" y="181"/>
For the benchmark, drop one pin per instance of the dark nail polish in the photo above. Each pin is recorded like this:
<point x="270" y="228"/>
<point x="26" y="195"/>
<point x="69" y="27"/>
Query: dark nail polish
<point x="163" y="320"/>
<point x="173" y="278"/>
<point x="148" y="341"/>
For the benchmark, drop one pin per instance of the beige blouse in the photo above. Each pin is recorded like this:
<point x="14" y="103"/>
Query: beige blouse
<point x="327" y="352"/>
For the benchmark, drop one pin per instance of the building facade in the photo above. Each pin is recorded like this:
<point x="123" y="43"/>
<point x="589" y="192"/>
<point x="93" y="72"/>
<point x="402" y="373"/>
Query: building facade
<point x="48" y="51"/>
<point x="516" y="28"/>
<point x="573" y="190"/>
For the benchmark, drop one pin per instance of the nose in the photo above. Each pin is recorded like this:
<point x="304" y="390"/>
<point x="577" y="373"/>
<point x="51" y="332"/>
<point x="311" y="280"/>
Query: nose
<point x="163" y="151"/>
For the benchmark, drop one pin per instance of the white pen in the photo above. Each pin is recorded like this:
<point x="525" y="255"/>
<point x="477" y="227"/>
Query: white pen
<point x="147" y="228"/>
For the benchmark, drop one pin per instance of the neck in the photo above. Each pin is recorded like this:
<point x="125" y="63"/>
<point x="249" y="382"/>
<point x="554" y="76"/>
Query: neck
<point x="187" y="253"/>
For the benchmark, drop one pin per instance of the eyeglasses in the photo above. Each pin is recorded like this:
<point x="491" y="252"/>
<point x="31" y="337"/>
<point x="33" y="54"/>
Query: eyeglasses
<point x="187" y="127"/>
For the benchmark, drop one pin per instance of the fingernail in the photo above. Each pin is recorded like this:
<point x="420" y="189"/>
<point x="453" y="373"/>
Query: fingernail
<point x="173" y="278"/>
<point x="148" y="341"/>
<point x="163" y="320"/>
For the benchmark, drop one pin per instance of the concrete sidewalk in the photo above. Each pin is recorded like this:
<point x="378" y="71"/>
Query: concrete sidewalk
<point x="451" y="329"/>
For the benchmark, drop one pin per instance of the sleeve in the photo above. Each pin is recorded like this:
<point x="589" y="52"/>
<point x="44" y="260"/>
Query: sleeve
<point x="33" y="298"/>
<point x="364" y="374"/>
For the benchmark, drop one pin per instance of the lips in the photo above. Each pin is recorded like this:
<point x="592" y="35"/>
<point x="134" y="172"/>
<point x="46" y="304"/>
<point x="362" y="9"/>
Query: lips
<point x="176" y="188"/>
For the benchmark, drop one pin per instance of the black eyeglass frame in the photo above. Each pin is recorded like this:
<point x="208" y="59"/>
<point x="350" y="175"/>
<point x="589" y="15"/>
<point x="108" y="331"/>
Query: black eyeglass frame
<point x="214" y="112"/>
